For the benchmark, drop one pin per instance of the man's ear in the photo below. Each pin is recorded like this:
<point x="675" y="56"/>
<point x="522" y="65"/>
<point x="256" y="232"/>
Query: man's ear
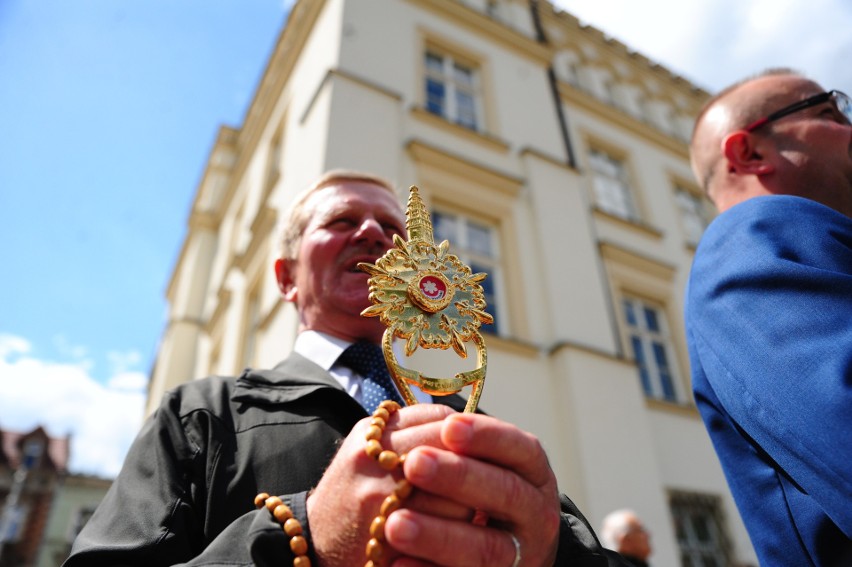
<point x="744" y="154"/>
<point x="284" y="275"/>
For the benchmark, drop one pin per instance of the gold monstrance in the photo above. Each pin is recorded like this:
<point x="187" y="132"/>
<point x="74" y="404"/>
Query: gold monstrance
<point x="431" y="299"/>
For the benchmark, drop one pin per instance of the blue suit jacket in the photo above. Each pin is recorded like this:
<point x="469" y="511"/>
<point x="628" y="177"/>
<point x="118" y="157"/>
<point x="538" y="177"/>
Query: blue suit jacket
<point x="769" y="326"/>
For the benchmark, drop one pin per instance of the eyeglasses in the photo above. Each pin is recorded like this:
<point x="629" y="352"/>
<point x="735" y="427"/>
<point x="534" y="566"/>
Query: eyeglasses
<point x="841" y="102"/>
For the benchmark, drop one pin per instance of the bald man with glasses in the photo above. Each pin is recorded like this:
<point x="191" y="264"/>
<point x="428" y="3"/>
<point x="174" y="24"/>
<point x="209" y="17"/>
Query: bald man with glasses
<point x="769" y="311"/>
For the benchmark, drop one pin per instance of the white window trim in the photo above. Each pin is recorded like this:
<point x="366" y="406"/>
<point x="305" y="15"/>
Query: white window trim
<point x="451" y="87"/>
<point x="691" y="218"/>
<point x="621" y="182"/>
<point x="711" y="506"/>
<point x="459" y="247"/>
<point x="648" y="338"/>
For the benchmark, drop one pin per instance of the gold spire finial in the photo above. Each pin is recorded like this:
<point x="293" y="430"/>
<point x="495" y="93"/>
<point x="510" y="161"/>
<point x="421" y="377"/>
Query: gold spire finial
<point x="430" y="298"/>
<point x="417" y="220"/>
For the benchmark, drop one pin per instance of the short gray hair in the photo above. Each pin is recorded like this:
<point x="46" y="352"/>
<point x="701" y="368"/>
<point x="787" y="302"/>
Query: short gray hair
<point x="298" y="214"/>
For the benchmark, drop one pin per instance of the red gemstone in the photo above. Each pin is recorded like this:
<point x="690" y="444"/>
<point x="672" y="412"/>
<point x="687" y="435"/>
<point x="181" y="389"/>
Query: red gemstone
<point x="433" y="288"/>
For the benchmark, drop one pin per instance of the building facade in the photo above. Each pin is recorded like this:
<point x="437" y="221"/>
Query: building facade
<point x="551" y="157"/>
<point x="32" y="465"/>
<point x="73" y="504"/>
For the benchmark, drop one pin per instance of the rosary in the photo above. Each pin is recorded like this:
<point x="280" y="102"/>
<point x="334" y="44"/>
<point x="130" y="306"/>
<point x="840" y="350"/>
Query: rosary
<point x="431" y="299"/>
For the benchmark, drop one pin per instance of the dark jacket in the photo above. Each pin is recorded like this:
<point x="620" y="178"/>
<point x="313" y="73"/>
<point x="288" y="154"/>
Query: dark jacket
<point x="185" y="494"/>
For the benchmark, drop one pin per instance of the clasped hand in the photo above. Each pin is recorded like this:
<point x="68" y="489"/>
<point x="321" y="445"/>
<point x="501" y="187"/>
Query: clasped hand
<point x="459" y="464"/>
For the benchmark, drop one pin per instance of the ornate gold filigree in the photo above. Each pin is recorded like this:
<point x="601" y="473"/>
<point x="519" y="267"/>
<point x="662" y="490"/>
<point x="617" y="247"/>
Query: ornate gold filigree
<point x="428" y="297"/>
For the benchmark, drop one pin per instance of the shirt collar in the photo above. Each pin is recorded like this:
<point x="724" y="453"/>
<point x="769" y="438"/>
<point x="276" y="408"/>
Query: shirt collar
<point x="319" y="347"/>
<point x="324" y="350"/>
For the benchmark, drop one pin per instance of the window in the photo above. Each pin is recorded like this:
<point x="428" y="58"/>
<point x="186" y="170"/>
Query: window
<point x="650" y="346"/>
<point x="693" y="214"/>
<point x="612" y="186"/>
<point x="452" y="89"/>
<point x="699" y="527"/>
<point x="33" y="450"/>
<point x="475" y="244"/>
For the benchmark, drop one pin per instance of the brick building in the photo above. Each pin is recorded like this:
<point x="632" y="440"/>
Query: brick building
<point x="32" y="465"/>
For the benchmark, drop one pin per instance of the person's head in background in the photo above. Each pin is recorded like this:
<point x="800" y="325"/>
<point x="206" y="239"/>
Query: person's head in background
<point x="622" y="531"/>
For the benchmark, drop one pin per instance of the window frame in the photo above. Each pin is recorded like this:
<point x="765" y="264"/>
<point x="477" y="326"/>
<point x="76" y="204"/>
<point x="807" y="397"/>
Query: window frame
<point x="492" y="265"/>
<point x="632" y="275"/>
<point x="701" y="212"/>
<point x="453" y="87"/>
<point x="623" y="181"/>
<point x="657" y="383"/>
<point x="711" y="509"/>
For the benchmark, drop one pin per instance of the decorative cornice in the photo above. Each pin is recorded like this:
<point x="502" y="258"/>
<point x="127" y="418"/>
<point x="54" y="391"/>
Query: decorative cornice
<point x="609" y="113"/>
<point x="538" y="154"/>
<point x="480" y="23"/>
<point x="349" y="76"/>
<point x="634" y="225"/>
<point x="429" y="154"/>
<point x="642" y="262"/>
<point x="483" y="139"/>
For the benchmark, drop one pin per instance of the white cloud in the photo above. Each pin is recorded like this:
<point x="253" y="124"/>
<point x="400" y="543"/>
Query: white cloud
<point x="11" y="345"/>
<point x="121" y="361"/>
<point x="716" y="42"/>
<point x="128" y="382"/>
<point x="65" y="399"/>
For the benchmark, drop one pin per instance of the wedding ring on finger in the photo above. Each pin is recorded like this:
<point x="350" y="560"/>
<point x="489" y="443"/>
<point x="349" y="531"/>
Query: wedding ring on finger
<point x="517" y="545"/>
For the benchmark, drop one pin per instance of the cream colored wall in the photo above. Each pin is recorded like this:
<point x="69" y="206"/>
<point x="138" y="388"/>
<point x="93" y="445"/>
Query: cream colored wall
<point x="687" y="461"/>
<point x="564" y="235"/>
<point x="603" y="444"/>
<point x="559" y="371"/>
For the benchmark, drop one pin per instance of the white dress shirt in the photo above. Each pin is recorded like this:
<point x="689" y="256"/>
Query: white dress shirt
<point x="324" y="350"/>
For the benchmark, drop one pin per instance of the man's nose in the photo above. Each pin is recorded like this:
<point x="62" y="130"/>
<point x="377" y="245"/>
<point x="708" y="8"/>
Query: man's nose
<point x="371" y="231"/>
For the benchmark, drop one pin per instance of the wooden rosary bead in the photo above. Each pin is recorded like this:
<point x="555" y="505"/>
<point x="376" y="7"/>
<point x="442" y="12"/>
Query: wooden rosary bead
<point x="374" y="448"/>
<point x="282" y="513"/>
<point x="388" y="460"/>
<point x="273" y="502"/>
<point x="377" y="528"/>
<point x="260" y="499"/>
<point x="403" y="488"/>
<point x="390" y="505"/>
<point x="374" y="432"/>
<point x="299" y="545"/>
<point x="291" y="526"/>
<point x="382" y="413"/>
<point x="375" y="551"/>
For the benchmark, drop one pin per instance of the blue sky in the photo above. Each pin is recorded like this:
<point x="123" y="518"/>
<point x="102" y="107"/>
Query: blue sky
<point x="108" y="109"/>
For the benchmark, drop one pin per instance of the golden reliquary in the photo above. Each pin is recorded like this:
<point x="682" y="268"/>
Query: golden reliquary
<point x="428" y="297"/>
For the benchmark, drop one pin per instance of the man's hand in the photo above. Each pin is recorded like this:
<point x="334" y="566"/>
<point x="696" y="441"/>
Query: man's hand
<point x="491" y="466"/>
<point x="350" y="493"/>
<point x="459" y="463"/>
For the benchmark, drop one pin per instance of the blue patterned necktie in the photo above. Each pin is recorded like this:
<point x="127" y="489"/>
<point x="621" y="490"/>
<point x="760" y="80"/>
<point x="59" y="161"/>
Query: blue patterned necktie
<point x="367" y="360"/>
